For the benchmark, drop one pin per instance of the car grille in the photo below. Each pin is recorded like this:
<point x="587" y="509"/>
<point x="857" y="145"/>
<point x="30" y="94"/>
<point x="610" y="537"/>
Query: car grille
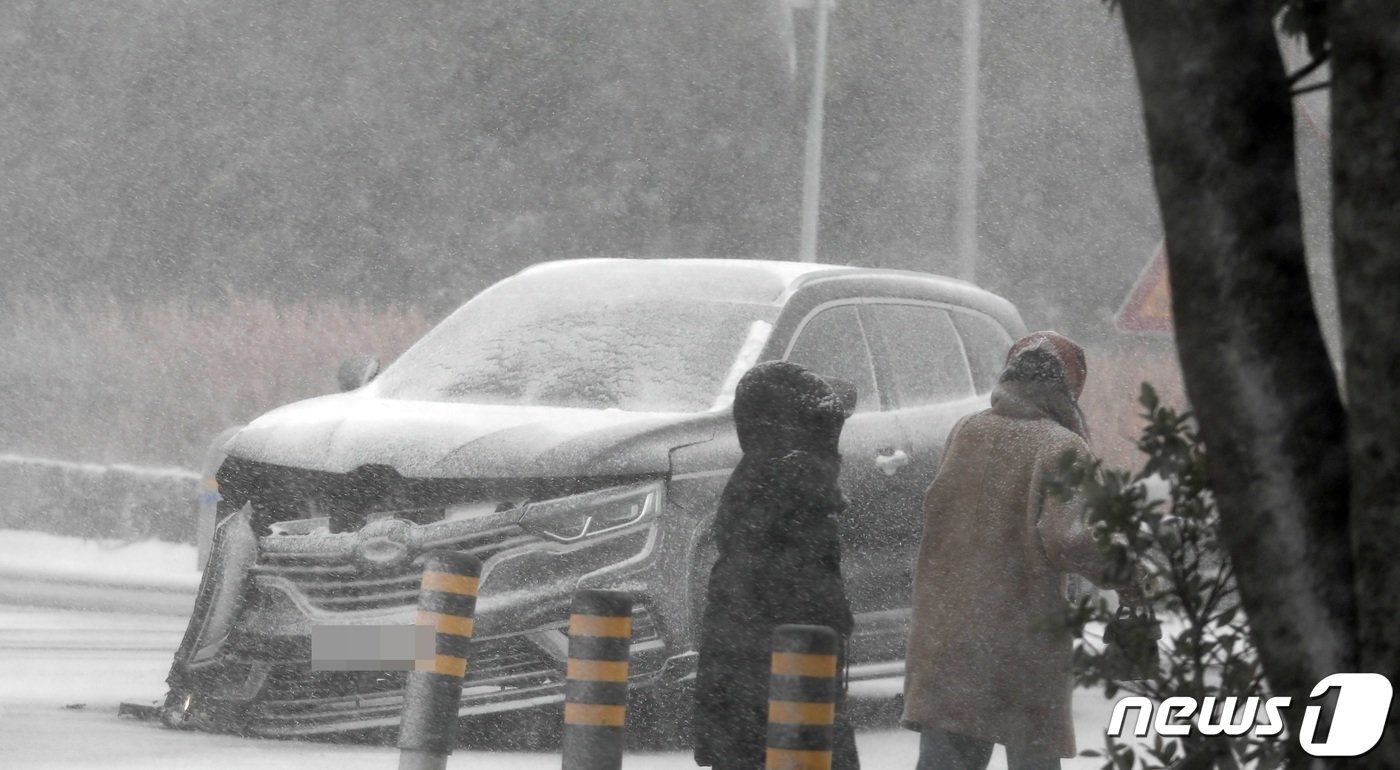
<point x="497" y="661"/>
<point x="335" y="582"/>
<point x="298" y="700"/>
<point x="500" y="671"/>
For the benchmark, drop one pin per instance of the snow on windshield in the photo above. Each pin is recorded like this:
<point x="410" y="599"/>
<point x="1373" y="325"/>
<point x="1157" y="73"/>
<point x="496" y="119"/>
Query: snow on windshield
<point x="644" y="353"/>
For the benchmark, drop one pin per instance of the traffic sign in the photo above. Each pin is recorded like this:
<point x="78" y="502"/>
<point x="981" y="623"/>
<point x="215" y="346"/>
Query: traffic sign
<point x="1148" y="307"/>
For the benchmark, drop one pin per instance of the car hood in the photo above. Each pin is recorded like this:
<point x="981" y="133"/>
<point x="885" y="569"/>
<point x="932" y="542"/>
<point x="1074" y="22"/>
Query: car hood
<point x="429" y="439"/>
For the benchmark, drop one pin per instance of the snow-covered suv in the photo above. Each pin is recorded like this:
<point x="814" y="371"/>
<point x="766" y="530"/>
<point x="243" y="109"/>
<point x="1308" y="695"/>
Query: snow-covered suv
<point x="571" y="427"/>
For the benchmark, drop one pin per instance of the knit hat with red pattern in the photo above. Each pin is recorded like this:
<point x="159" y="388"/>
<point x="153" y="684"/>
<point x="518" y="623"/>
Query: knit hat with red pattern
<point x="1065" y="349"/>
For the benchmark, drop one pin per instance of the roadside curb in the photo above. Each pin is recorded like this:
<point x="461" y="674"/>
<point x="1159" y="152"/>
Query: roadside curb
<point x="24" y="587"/>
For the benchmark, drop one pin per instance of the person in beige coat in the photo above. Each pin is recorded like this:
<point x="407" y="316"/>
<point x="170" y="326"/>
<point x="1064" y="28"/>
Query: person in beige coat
<point x="987" y="662"/>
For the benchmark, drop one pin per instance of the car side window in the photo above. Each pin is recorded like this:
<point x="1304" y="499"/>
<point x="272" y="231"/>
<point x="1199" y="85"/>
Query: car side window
<point x="924" y="352"/>
<point x="832" y="344"/>
<point x="986" y="343"/>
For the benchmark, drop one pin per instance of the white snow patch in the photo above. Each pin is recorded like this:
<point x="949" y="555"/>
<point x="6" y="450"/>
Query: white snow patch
<point x="786" y="272"/>
<point x="364" y="408"/>
<point x="1158" y="489"/>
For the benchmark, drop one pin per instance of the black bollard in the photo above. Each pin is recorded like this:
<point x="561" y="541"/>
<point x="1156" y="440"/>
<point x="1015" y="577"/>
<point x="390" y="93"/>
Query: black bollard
<point x="595" y="697"/>
<point x="802" y="698"/>
<point x="446" y="604"/>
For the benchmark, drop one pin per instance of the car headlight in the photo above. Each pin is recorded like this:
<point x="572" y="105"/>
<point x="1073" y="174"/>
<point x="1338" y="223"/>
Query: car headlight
<point x="567" y="519"/>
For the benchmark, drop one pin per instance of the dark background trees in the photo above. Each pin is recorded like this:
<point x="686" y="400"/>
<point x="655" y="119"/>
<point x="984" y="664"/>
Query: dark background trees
<point x="384" y="152"/>
<point x="399" y="157"/>
<point x="413" y="152"/>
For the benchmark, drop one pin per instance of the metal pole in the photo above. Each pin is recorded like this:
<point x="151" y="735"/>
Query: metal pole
<point x="802" y="698"/>
<point x="595" y="695"/>
<point x="968" y="169"/>
<point x="446" y="604"/>
<point x="812" y="171"/>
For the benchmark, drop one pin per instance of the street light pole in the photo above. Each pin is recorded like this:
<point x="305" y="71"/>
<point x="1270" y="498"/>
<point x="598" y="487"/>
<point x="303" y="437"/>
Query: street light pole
<point x="812" y="171"/>
<point x="968" y="167"/>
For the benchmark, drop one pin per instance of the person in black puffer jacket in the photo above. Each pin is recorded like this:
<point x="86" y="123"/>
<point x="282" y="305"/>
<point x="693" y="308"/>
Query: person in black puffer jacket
<point x="779" y="558"/>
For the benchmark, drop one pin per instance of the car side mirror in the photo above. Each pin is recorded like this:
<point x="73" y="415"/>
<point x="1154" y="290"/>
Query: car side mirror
<point x="357" y="370"/>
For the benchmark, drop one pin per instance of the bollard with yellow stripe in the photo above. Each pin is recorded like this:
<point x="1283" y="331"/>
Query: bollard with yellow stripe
<point x="802" y="698"/>
<point x="595" y="697"/>
<point x="446" y="612"/>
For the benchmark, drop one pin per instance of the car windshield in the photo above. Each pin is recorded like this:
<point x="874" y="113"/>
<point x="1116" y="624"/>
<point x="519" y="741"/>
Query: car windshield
<point x="635" y="348"/>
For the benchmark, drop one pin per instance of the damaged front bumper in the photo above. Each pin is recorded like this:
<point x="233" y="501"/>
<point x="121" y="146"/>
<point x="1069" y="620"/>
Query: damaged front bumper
<point x="245" y="664"/>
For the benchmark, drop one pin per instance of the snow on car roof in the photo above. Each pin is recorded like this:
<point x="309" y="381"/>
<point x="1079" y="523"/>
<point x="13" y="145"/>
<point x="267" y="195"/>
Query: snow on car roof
<point x="741" y="280"/>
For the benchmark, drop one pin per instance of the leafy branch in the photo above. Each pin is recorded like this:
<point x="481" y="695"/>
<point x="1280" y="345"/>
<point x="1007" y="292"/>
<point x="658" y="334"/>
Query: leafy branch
<point x="1164" y="518"/>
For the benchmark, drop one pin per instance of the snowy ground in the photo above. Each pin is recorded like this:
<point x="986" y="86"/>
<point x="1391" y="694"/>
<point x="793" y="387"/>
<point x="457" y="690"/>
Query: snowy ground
<point x="151" y="563"/>
<point x="67" y="669"/>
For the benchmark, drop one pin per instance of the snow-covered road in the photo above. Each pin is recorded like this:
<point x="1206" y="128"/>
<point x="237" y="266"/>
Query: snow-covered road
<point x="66" y="671"/>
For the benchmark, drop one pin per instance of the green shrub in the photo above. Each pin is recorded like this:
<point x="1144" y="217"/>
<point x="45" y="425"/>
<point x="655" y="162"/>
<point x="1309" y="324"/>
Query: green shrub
<point x="1164" y="517"/>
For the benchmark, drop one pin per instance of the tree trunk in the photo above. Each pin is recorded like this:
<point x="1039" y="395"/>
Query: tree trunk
<point x="1220" y="135"/>
<point x="1366" y="199"/>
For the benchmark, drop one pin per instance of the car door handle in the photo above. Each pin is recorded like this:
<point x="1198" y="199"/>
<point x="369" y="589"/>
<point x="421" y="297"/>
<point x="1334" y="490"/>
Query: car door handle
<point x="892" y="462"/>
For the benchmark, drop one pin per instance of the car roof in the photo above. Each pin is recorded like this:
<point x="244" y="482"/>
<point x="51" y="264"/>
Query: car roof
<point x="755" y="279"/>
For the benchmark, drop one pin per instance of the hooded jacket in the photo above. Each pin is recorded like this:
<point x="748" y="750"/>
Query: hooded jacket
<point x="989" y="651"/>
<point x="779" y="556"/>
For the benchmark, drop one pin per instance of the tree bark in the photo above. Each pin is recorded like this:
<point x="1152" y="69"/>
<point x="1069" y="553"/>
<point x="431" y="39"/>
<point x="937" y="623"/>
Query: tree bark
<point x="1220" y="134"/>
<point x="1365" y="38"/>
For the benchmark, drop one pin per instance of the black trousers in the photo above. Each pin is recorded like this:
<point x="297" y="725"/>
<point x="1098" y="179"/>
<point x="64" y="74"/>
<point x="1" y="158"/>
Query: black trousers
<point x="944" y="750"/>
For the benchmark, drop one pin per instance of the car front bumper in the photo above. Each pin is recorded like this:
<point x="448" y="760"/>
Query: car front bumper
<point x="253" y="672"/>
